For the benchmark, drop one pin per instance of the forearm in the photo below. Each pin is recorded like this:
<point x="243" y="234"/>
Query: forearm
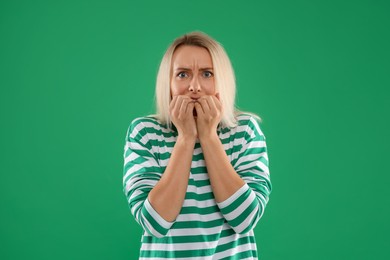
<point x="223" y="178"/>
<point x="168" y="195"/>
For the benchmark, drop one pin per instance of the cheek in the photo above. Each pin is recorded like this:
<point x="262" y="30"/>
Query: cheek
<point x="210" y="87"/>
<point x="175" y="91"/>
<point x="177" y="88"/>
<point x="173" y="88"/>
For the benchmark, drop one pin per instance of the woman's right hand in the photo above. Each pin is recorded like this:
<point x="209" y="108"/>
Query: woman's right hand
<point x="181" y="111"/>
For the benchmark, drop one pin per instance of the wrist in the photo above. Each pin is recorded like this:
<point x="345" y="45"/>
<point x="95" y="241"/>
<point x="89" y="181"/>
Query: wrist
<point x="186" y="139"/>
<point x="209" y="137"/>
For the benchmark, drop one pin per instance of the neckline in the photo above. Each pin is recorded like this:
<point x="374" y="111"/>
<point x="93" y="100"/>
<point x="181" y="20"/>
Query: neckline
<point x="174" y="129"/>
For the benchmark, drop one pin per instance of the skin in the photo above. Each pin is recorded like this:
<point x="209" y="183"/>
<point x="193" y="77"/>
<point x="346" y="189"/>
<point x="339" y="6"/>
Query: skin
<point x="196" y="111"/>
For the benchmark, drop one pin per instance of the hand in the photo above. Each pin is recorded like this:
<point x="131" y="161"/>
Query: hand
<point x="209" y="114"/>
<point x="181" y="112"/>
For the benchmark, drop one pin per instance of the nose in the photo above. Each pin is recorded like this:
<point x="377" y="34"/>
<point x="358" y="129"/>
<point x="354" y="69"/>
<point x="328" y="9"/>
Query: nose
<point x="194" y="85"/>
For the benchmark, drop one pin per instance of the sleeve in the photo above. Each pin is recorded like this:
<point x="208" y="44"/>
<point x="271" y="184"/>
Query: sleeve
<point x="141" y="173"/>
<point x="246" y="206"/>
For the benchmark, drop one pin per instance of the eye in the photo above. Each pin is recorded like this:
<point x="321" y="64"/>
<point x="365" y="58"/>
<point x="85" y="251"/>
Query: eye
<point x="207" y="74"/>
<point x="182" y="74"/>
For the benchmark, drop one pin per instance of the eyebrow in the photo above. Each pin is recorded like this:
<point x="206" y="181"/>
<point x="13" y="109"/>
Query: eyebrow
<point x="183" y="68"/>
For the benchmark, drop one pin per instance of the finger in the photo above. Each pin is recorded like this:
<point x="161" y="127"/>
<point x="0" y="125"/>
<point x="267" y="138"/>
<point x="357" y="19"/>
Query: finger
<point x="183" y="108"/>
<point x="173" y="102"/>
<point x="213" y="107"/>
<point x="190" y="108"/>
<point x="205" y="106"/>
<point x="199" y="109"/>
<point x="178" y="103"/>
<point x="217" y="103"/>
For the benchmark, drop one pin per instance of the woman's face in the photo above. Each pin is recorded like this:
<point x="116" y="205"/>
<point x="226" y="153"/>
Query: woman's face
<point x="192" y="72"/>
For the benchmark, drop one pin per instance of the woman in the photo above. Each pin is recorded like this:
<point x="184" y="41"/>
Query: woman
<point x="196" y="174"/>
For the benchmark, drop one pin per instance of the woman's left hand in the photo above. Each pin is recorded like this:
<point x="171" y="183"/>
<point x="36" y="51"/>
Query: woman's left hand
<point x="209" y="114"/>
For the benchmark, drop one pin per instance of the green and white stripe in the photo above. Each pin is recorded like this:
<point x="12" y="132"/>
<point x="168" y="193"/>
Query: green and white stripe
<point x="204" y="229"/>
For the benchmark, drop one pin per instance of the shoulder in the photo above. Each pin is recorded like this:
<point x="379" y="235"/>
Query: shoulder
<point x="145" y="125"/>
<point x="250" y="122"/>
<point x="144" y="121"/>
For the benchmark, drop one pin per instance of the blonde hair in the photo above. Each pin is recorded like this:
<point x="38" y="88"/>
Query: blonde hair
<point x="225" y="82"/>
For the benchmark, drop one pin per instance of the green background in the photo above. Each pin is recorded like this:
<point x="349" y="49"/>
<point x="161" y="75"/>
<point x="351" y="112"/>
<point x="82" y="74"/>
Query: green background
<point x="73" y="74"/>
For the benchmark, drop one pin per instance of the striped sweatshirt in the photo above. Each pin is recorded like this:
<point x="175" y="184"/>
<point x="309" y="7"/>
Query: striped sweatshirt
<point x="204" y="229"/>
